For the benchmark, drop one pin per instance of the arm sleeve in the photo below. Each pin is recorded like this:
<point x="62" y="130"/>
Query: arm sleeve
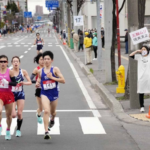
<point x="13" y="81"/>
<point x="32" y="77"/>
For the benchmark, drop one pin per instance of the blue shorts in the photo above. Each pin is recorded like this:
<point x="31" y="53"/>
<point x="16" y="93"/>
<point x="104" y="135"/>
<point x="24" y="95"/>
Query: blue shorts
<point x="50" y="97"/>
<point x="39" y="47"/>
<point x="19" y="95"/>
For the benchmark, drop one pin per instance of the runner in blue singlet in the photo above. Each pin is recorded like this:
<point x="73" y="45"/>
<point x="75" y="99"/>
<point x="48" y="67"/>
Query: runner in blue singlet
<point x="48" y="78"/>
<point x="19" y="92"/>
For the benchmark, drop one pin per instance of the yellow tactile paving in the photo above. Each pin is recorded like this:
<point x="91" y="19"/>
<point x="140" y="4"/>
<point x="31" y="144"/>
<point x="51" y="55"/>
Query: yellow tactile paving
<point x="140" y="117"/>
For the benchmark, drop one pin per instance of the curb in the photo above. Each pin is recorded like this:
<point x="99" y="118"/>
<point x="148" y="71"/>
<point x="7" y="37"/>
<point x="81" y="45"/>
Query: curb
<point x="107" y="97"/>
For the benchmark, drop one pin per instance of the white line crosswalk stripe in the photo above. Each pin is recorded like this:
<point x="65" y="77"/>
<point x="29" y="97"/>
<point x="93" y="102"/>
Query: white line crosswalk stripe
<point x="54" y="131"/>
<point x="13" y="126"/>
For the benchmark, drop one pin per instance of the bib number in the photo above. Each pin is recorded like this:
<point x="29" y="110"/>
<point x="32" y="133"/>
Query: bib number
<point x="48" y="85"/>
<point x="39" y="43"/>
<point x="3" y="85"/>
<point x="17" y="88"/>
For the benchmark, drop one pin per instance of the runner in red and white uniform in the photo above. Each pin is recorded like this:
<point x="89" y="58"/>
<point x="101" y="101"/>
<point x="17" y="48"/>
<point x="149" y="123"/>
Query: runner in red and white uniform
<point x="7" y="80"/>
<point x="39" y="60"/>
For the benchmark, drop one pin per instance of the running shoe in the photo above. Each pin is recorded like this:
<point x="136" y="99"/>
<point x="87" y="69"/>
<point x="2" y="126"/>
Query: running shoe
<point x="7" y="136"/>
<point x="39" y="119"/>
<point x="18" y="133"/>
<point x="51" y="123"/>
<point x="47" y="136"/>
<point x="0" y="130"/>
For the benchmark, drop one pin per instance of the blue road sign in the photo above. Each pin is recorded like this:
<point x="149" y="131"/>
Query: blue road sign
<point x="39" y="18"/>
<point x="27" y="14"/>
<point x="52" y="3"/>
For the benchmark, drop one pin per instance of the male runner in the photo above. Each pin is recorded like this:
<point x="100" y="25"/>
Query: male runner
<point x="48" y="78"/>
<point x="7" y="80"/>
<point x="40" y="42"/>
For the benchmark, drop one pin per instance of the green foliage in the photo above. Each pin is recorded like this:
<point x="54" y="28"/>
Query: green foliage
<point x="13" y="7"/>
<point x="2" y="24"/>
<point x="91" y="70"/>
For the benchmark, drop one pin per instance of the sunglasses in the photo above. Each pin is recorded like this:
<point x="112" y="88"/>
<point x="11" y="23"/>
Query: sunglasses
<point x="3" y="61"/>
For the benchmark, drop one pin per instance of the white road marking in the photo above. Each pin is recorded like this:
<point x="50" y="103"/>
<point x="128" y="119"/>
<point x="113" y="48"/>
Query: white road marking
<point x="21" y="40"/>
<point x="81" y="85"/>
<point x="22" y="43"/>
<point x="49" y="45"/>
<point x="55" y="130"/>
<point x="21" y="56"/>
<point x="8" y="43"/>
<point x="91" y="125"/>
<point x="29" y="43"/>
<point x="2" y="47"/>
<point x="13" y="126"/>
<point x="56" y="39"/>
<point x="25" y="51"/>
<point x="29" y="49"/>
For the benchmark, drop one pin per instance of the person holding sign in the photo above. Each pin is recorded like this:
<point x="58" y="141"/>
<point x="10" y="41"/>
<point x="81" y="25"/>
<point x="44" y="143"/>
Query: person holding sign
<point x="7" y="80"/>
<point x="48" y="79"/>
<point x="143" y="58"/>
<point x="19" y="92"/>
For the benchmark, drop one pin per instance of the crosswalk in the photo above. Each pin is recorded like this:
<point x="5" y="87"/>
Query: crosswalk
<point x="88" y="125"/>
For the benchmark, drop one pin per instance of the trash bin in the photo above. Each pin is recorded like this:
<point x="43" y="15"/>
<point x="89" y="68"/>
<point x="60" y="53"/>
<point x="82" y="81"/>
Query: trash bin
<point x="71" y="43"/>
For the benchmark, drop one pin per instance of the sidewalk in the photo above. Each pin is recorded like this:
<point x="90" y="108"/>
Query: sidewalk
<point x="121" y="108"/>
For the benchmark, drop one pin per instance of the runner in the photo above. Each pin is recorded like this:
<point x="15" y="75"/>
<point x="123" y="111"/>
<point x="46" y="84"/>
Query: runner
<point x="40" y="42"/>
<point x="48" y="78"/>
<point x="48" y="30"/>
<point x="19" y="92"/>
<point x="7" y="80"/>
<point x="39" y="60"/>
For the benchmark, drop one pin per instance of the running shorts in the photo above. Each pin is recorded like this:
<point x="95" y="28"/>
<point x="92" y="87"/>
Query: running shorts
<point x="7" y="97"/>
<point x="38" y="92"/>
<point x="39" y="47"/>
<point x="19" y="95"/>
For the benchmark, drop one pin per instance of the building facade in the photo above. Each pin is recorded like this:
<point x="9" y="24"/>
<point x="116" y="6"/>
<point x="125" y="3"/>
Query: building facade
<point x="39" y="10"/>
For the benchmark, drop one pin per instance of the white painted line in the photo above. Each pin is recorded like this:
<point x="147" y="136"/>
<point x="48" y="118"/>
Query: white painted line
<point x="91" y="125"/>
<point x="13" y="126"/>
<point x="29" y="48"/>
<point x="33" y="45"/>
<point x="22" y="43"/>
<point x="54" y="131"/>
<point x="81" y="85"/>
<point x="20" y="40"/>
<point x="56" y="39"/>
<point x="8" y="43"/>
<point x="96" y="113"/>
<point x="29" y="43"/>
<point x="84" y="110"/>
<point x="2" y="47"/>
<point x="25" y="51"/>
<point x="21" y="56"/>
<point x="49" y="45"/>
<point x="15" y="43"/>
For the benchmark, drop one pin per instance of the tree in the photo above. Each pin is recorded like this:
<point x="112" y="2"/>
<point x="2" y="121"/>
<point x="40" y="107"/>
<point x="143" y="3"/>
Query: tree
<point x="8" y="6"/>
<point x="141" y="14"/>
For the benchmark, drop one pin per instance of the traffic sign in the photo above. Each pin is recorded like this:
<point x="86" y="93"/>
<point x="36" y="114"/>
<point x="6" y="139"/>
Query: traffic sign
<point x="52" y="3"/>
<point x="39" y="18"/>
<point x="27" y="14"/>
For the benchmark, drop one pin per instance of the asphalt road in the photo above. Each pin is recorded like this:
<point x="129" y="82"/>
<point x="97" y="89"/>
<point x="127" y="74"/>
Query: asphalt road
<point x="83" y="122"/>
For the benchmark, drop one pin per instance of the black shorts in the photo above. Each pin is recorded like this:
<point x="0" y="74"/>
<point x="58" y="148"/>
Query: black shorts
<point x="38" y="92"/>
<point x="39" y="47"/>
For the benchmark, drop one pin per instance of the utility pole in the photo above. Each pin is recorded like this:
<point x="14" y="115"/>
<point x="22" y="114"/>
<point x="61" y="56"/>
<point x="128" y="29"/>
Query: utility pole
<point x="133" y="25"/>
<point x="100" y="64"/>
<point x="69" y="24"/>
<point x="108" y="7"/>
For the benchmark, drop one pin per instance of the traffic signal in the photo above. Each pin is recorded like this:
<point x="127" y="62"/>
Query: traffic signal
<point x="26" y="4"/>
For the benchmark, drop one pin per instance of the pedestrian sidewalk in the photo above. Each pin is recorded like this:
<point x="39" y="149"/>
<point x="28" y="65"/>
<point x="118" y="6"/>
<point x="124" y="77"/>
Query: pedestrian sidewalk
<point x="108" y="91"/>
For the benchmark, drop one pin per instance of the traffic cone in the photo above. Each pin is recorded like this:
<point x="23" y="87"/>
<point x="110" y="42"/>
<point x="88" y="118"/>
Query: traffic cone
<point x="148" y="115"/>
<point x="64" y="43"/>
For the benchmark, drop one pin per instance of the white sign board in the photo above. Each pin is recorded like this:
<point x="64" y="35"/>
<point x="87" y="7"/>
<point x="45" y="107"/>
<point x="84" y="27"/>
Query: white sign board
<point x="78" y="21"/>
<point x="139" y="36"/>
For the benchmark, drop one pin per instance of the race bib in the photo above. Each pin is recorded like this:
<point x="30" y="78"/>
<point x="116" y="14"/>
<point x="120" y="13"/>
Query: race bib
<point x="48" y="85"/>
<point x="17" y="88"/>
<point x="39" y="43"/>
<point x="3" y="85"/>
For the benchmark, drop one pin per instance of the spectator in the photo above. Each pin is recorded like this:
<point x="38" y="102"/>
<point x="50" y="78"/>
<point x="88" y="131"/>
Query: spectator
<point x="126" y="41"/>
<point x="88" y="44"/>
<point x="75" y="41"/>
<point x="103" y="37"/>
<point x="143" y="58"/>
<point x="94" y="43"/>
<point x="64" y="36"/>
<point x="81" y="41"/>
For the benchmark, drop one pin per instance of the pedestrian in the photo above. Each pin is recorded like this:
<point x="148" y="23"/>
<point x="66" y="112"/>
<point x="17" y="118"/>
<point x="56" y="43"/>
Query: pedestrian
<point x="94" y="43"/>
<point x="81" y="41"/>
<point x="48" y="79"/>
<point x="88" y="44"/>
<point x="103" y="37"/>
<point x="64" y="37"/>
<point x="7" y="80"/>
<point x="75" y="40"/>
<point x="19" y="92"/>
<point x="143" y="58"/>
<point x="126" y="41"/>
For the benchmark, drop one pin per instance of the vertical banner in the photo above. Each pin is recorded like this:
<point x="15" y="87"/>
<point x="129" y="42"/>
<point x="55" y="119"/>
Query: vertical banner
<point x="101" y="11"/>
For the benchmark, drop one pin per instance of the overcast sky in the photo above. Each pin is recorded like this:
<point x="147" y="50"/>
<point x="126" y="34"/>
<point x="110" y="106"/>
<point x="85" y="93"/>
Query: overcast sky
<point x="33" y="3"/>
